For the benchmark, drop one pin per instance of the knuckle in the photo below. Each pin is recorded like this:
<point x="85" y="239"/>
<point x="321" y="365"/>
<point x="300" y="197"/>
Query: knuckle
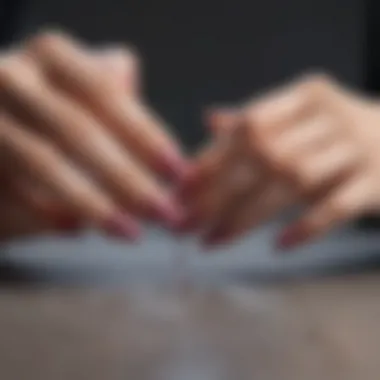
<point x="46" y="42"/>
<point x="316" y="85"/>
<point x="14" y="68"/>
<point x="340" y="207"/>
<point x="6" y="70"/>
<point x="262" y="146"/>
<point x="130" y="55"/>
<point x="254" y="118"/>
<point x="126" y="59"/>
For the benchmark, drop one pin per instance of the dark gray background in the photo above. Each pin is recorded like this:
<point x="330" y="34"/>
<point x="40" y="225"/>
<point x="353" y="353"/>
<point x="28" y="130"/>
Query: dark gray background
<point x="200" y="52"/>
<point x="197" y="53"/>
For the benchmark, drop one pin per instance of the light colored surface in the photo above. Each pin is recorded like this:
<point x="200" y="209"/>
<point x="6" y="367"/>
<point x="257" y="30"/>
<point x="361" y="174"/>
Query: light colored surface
<point x="93" y="258"/>
<point x="305" y="331"/>
<point x="228" y="325"/>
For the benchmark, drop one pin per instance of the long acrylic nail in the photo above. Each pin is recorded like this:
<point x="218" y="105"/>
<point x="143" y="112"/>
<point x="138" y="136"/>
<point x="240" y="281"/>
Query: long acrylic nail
<point x="123" y="225"/>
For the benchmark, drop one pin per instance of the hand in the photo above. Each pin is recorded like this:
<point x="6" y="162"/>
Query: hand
<point x="313" y="142"/>
<point x="29" y="211"/>
<point x="69" y="127"/>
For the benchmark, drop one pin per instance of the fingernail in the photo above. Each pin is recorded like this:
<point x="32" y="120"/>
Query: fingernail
<point x="216" y="237"/>
<point x="68" y="223"/>
<point x="189" y="224"/>
<point x="125" y="226"/>
<point x="173" y="165"/>
<point x="289" y="238"/>
<point x="188" y="184"/>
<point x="168" y="211"/>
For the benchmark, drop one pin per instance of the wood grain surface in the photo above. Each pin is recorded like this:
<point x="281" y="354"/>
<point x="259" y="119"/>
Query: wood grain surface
<point x="320" y="329"/>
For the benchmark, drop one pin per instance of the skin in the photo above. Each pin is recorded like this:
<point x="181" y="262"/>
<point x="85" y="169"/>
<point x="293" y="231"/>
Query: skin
<point x="80" y="146"/>
<point x="78" y="143"/>
<point x="313" y="143"/>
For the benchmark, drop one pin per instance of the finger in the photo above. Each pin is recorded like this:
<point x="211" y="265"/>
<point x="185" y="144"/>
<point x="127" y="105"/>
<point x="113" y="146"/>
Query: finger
<point x="344" y="204"/>
<point x="42" y="204"/>
<point x="136" y="126"/>
<point x="47" y="213"/>
<point x="122" y="66"/>
<point x="207" y="163"/>
<point x="309" y="154"/>
<point x="226" y="189"/>
<point x="223" y="172"/>
<point x="221" y="121"/>
<point x="306" y="136"/>
<point x="280" y="108"/>
<point x="20" y="219"/>
<point x="265" y="121"/>
<point x="291" y="104"/>
<point x="46" y="166"/>
<point x="287" y="103"/>
<point x="252" y="210"/>
<point x="326" y="168"/>
<point x="81" y="136"/>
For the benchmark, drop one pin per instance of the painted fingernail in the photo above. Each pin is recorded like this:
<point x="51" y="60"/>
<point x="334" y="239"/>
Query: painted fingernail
<point x="173" y="165"/>
<point x="68" y="223"/>
<point x="216" y="237"/>
<point x="123" y="225"/>
<point x="190" y="223"/>
<point x="166" y="210"/>
<point x="289" y="239"/>
<point x="187" y="187"/>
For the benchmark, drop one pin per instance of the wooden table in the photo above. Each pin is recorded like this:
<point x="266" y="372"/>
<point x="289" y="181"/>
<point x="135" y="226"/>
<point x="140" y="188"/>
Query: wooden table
<point x="320" y="329"/>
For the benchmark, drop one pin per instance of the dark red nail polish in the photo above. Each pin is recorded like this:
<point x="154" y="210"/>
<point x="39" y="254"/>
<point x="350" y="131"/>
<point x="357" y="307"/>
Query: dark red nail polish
<point x="188" y="184"/>
<point x="166" y="210"/>
<point x="289" y="238"/>
<point x="68" y="223"/>
<point x="189" y="224"/>
<point x="172" y="165"/>
<point x="216" y="237"/>
<point x="125" y="226"/>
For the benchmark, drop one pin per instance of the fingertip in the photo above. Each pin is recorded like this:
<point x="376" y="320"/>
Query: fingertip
<point x="188" y="184"/>
<point x="68" y="223"/>
<point x="209" y="117"/>
<point x="172" y="165"/>
<point x="219" y="119"/>
<point x="291" y="237"/>
<point x="188" y="224"/>
<point x="220" y="236"/>
<point x="124" y="226"/>
<point x="166" y="210"/>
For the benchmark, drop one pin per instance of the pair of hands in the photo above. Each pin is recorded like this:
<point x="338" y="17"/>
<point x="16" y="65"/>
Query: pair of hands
<point x="78" y="144"/>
